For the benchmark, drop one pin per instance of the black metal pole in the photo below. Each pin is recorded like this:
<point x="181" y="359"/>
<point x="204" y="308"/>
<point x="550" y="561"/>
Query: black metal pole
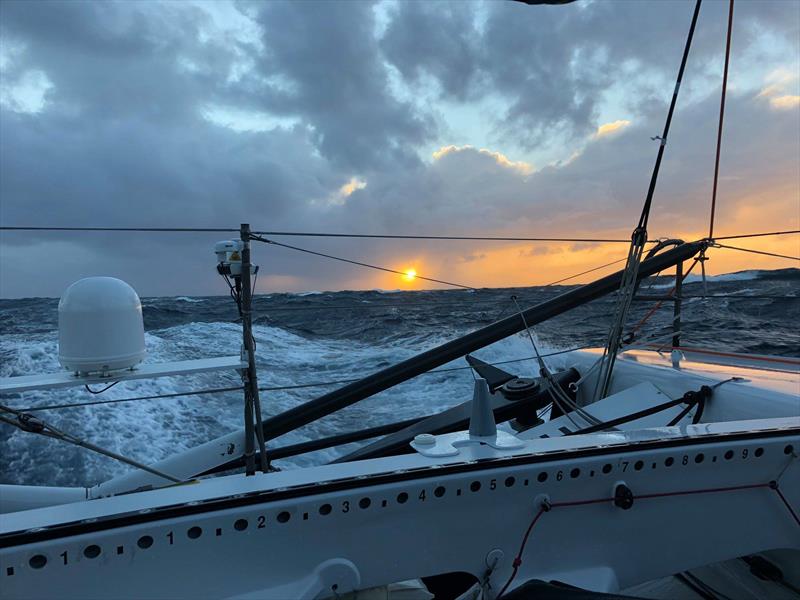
<point x="252" y="407"/>
<point x="403" y="371"/>
<point x="676" y="307"/>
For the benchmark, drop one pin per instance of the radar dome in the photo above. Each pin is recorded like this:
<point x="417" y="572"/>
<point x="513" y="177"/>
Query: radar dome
<point x="100" y="326"/>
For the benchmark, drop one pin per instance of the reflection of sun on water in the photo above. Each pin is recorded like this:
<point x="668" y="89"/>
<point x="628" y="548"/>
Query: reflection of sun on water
<point x="410" y="275"/>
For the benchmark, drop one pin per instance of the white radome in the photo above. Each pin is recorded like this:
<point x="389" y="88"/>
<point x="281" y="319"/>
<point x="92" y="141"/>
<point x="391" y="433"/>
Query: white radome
<point x="100" y="326"/>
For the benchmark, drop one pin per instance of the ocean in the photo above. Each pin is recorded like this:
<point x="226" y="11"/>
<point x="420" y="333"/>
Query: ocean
<point x="321" y="337"/>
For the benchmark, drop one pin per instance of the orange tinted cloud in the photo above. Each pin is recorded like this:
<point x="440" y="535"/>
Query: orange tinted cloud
<point x="611" y="128"/>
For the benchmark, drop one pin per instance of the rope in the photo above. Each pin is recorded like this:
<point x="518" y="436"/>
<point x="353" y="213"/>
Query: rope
<point x="355" y="262"/>
<point x="721" y="119"/>
<point x="117" y="401"/>
<point x="31" y="424"/>
<point x="716" y="245"/>
<point x="653" y="309"/>
<point x="547" y="507"/>
<point x="553" y="388"/>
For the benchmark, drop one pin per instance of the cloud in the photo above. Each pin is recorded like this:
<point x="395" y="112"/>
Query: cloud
<point x="785" y="102"/>
<point x="499" y="158"/>
<point x="28" y="93"/>
<point x="183" y="114"/>
<point x="612" y="127"/>
<point x="779" y="85"/>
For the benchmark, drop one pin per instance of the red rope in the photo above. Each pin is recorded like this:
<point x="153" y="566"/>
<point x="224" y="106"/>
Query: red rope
<point x="786" y="503"/>
<point x="660" y="302"/>
<point x="518" y="559"/>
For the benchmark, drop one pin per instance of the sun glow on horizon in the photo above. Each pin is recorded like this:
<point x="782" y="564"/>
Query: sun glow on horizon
<point x="410" y="275"/>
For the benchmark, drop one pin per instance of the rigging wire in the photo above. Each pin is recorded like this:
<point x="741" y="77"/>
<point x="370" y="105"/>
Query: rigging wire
<point x="139" y="229"/>
<point x="751" y="235"/>
<point x="277" y="388"/>
<point x="135" y="399"/>
<point x="658" y="304"/>
<point x="489" y="303"/>
<point x="369" y="235"/>
<point x="629" y="281"/>
<point x="585" y="272"/>
<point x="721" y="119"/>
<point x="489" y="238"/>
<point x="717" y="245"/>
<point x="553" y="388"/>
<point x="31" y="424"/>
<point x="355" y="262"/>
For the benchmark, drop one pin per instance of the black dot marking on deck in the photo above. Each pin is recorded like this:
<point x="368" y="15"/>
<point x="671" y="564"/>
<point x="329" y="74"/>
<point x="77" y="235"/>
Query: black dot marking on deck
<point x="92" y="551"/>
<point x="759" y="452"/>
<point x="364" y="503"/>
<point x="240" y="524"/>
<point x="120" y="549"/>
<point x="219" y="531"/>
<point x="402" y="498"/>
<point x="788" y="449"/>
<point x="38" y="561"/>
<point x="699" y="458"/>
<point x="638" y="465"/>
<point x="475" y="486"/>
<point x="194" y="533"/>
<point x="606" y="469"/>
<point x="144" y="542"/>
<point x="729" y="455"/>
<point x="284" y="516"/>
<point x="575" y="473"/>
<point x="542" y="477"/>
<point x="9" y="571"/>
<point x="510" y="481"/>
<point x="325" y="509"/>
<point x="439" y="491"/>
<point x="669" y="461"/>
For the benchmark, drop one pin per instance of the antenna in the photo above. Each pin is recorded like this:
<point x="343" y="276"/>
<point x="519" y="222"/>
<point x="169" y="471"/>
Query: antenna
<point x="234" y="265"/>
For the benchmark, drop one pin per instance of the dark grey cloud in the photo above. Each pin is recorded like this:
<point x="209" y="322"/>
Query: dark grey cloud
<point x="330" y="73"/>
<point x="435" y="39"/>
<point x="552" y="64"/>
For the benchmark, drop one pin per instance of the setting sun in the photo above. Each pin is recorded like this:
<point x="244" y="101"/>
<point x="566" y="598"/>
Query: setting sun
<point x="410" y="275"/>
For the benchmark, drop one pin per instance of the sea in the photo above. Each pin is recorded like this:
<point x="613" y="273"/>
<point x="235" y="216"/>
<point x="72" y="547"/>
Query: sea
<point x="308" y="343"/>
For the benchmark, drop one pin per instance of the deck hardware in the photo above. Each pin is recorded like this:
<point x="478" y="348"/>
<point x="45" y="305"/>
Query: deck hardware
<point x="623" y="496"/>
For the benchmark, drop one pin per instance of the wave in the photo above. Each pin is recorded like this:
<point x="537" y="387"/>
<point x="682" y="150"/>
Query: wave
<point x="297" y="347"/>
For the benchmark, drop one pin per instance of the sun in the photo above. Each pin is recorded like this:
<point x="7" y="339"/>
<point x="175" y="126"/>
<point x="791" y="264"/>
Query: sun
<point x="410" y="275"/>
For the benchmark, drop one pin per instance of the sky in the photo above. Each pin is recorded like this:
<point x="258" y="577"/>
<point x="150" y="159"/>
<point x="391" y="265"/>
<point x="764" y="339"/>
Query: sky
<point x="433" y="118"/>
